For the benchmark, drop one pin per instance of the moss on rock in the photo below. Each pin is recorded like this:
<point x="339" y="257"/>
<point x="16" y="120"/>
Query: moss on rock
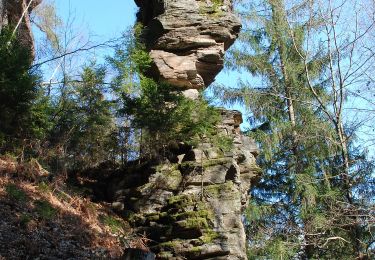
<point x="180" y="201"/>
<point x="190" y="165"/>
<point x="193" y="214"/>
<point x="220" y="190"/>
<point x="209" y="236"/>
<point x="193" y="223"/>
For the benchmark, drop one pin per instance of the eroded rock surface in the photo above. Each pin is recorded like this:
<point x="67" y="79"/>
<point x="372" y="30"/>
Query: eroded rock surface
<point x="191" y="205"/>
<point x="187" y="39"/>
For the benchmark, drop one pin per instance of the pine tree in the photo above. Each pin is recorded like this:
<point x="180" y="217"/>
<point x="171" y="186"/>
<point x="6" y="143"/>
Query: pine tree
<point x="96" y="122"/>
<point x="129" y="61"/>
<point x="295" y="210"/>
<point x="24" y="112"/>
<point x="84" y="120"/>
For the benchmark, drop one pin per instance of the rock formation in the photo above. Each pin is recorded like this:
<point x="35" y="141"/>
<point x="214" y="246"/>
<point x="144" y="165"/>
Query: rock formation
<point x="187" y="39"/>
<point x="191" y="206"/>
<point x="11" y="12"/>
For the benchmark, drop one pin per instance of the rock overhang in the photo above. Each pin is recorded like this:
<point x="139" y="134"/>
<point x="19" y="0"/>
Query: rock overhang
<point x="187" y="39"/>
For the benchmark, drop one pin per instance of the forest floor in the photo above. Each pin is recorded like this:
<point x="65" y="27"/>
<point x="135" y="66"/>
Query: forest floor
<point x="48" y="220"/>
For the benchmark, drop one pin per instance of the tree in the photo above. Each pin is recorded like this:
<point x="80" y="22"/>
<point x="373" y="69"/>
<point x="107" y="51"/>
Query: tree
<point x="129" y="61"/>
<point x="166" y="116"/>
<point x="296" y="208"/>
<point x="346" y="46"/>
<point x="23" y="111"/>
<point x="17" y="15"/>
<point x="84" y="121"/>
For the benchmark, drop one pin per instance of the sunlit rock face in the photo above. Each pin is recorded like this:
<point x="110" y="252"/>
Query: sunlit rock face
<point x="190" y="205"/>
<point x="11" y="12"/>
<point x="187" y="39"/>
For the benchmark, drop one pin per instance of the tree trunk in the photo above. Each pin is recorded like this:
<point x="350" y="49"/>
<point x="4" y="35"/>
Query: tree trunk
<point x="11" y="12"/>
<point x="280" y="20"/>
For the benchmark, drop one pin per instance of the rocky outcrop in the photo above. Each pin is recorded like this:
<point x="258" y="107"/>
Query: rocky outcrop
<point x="11" y="12"/>
<point x="187" y="39"/>
<point x="191" y="205"/>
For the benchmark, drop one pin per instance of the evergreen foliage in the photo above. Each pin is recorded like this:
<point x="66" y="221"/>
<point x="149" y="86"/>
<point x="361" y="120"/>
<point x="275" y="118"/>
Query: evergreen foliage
<point x="166" y="116"/>
<point x="316" y="196"/>
<point x="23" y="109"/>
<point x="156" y="112"/>
<point x="299" y="207"/>
<point x="83" y="120"/>
<point x="95" y="120"/>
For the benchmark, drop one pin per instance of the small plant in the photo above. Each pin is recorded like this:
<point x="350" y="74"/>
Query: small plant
<point x="43" y="187"/>
<point x="114" y="224"/>
<point x="225" y="143"/>
<point x="45" y="210"/>
<point x="15" y="193"/>
<point x="89" y="209"/>
<point x="217" y="4"/>
<point x="211" y="9"/>
<point x="25" y="219"/>
<point x="62" y="196"/>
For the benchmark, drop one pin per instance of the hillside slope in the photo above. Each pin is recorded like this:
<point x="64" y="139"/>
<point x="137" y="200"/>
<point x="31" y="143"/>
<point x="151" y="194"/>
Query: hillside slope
<point x="48" y="220"/>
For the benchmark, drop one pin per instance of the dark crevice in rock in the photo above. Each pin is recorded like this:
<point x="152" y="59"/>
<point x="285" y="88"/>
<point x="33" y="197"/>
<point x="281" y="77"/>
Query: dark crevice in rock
<point x="149" y="9"/>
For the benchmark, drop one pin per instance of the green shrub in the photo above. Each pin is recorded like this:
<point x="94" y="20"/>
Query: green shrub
<point x="43" y="187"/>
<point x="114" y="224"/>
<point x="15" y="193"/>
<point x="225" y="143"/>
<point x="45" y="210"/>
<point x="164" y="114"/>
<point x="22" y="115"/>
<point x="25" y="219"/>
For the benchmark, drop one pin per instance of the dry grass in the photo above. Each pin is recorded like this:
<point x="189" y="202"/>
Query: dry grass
<point x="76" y="220"/>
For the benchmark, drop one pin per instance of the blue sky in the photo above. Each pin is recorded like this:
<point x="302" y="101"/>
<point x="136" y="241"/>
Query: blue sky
<point x="110" y="20"/>
<point x="105" y="19"/>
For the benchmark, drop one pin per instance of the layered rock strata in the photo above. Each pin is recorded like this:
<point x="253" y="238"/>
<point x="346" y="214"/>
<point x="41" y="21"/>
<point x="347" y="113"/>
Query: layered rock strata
<point x="190" y="206"/>
<point x="187" y="39"/>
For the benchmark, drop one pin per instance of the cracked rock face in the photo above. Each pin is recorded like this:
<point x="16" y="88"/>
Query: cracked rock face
<point x="191" y="205"/>
<point x="187" y="39"/>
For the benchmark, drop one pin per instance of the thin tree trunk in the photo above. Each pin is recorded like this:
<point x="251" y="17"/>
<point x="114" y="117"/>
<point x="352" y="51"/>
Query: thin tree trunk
<point x="279" y="16"/>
